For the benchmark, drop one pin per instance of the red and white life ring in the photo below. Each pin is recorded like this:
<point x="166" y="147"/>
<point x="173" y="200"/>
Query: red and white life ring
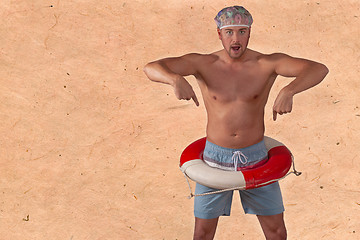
<point x="277" y="166"/>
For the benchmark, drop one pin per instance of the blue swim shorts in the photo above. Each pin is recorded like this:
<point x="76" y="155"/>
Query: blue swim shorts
<point x="265" y="200"/>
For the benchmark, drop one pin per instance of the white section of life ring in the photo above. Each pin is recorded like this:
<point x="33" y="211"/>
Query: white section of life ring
<point x="198" y="171"/>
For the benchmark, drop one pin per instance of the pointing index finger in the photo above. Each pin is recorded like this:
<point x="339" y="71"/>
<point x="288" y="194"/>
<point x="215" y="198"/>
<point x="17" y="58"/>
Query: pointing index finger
<point x="195" y="100"/>
<point x="274" y="115"/>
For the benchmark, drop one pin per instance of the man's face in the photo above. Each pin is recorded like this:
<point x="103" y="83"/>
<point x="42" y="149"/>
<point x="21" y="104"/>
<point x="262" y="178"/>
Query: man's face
<point x="234" y="40"/>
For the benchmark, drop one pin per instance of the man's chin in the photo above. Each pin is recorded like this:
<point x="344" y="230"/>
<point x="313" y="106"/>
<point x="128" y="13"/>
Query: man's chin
<point x="235" y="56"/>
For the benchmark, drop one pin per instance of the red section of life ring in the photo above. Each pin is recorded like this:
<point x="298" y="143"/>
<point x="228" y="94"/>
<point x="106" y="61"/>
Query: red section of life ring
<point x="193" y="151"/>
<point x="277" y="166"/>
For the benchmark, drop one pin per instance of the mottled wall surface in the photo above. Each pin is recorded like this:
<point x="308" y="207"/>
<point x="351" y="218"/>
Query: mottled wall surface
<point x="89" y="147"/>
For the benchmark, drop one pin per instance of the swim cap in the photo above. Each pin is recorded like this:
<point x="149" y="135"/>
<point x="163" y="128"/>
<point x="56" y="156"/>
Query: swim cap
<point x="235" y="16"/>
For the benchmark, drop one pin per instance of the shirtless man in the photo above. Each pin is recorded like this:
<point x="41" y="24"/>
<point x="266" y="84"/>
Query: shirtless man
<point x="235" y="83"/>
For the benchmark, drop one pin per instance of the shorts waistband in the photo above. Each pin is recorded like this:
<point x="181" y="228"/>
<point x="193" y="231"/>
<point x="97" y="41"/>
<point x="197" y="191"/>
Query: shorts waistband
<point x="235" y="159"/>
<point x="246" y="150"/>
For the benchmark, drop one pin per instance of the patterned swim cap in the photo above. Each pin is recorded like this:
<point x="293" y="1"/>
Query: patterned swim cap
<point x="235" y="16"/>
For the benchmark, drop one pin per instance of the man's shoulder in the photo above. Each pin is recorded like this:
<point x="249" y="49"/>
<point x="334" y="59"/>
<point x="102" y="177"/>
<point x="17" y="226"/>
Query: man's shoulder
<point x="208" y="56"/>
<point x="198" y="58"/>
<point x="273" y="56"/>
<point x="265" y="60"/>
<point x="274" y="60"/>
<point x="270" y="59"/>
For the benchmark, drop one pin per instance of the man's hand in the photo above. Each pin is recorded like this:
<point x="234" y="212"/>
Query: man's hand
<point x="283" y="103"/>
<point x="183" y="90"/>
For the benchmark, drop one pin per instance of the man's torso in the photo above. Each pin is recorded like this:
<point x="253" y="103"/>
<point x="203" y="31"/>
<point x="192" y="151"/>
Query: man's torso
<point x="235" y="96"/>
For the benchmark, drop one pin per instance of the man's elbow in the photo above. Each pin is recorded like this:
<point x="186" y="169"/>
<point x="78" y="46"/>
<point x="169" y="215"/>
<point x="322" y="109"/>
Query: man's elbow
<point x="147" y="70"/>
<point x="324" y="69"/>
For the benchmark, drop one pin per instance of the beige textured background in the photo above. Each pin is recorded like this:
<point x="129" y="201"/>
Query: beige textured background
<point x="89" y="147"/>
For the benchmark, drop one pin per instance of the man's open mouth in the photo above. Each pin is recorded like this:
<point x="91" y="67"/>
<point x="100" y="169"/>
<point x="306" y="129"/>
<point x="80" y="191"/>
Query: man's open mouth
<point x="235" y="48"/>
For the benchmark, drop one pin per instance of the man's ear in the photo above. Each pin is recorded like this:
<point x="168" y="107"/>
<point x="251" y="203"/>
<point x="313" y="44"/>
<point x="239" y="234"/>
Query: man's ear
<point x="219" y="33"/>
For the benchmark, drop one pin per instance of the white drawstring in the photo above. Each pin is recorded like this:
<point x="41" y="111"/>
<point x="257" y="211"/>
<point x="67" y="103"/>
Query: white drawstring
<point x="237" y="157"/>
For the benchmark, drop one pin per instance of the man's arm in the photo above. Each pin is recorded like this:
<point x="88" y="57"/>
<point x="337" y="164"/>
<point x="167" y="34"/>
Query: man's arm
<point x="307" y="74"/>
<point x="172" y="71"/>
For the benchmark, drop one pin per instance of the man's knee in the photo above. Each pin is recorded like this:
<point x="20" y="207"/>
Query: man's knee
<point x="273" y="227"/>
<point x="205" y="228"/>
<point x="278" y="233"/>
<point x="202" y="235"/>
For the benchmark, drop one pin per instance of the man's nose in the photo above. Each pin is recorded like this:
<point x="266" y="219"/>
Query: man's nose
<point x="235" y="38"/>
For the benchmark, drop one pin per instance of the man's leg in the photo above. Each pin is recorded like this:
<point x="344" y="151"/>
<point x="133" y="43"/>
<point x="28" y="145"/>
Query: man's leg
<point x="207" y="210"/>
<point x="273" y="226"/>
<point x="205" y="228"/>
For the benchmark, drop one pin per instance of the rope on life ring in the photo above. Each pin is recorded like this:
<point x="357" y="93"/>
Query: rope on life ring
<point x="276" y="168"/>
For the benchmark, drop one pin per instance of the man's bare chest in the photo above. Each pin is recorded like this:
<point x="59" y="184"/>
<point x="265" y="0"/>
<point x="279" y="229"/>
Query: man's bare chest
<point x="231" y="85"/>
